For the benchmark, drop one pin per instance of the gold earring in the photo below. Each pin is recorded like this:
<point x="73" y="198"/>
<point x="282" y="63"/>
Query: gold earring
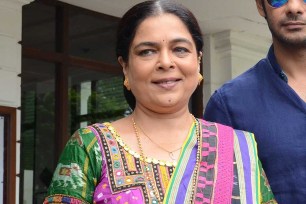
<point x="200" y="78"/>
<point x="126" y="84"/>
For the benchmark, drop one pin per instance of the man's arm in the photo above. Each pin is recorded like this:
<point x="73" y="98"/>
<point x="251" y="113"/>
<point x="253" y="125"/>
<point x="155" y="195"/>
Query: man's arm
<point x="216" y="110"/>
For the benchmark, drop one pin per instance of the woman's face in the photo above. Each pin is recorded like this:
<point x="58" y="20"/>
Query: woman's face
<point x="163" y="64"/>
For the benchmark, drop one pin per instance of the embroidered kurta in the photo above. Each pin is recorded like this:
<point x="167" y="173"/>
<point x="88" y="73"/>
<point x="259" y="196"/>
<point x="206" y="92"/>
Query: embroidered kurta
<point x="96" y="166"/>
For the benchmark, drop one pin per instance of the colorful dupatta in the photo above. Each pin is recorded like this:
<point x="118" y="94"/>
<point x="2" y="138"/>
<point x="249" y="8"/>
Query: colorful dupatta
<point x="229" y="170"/>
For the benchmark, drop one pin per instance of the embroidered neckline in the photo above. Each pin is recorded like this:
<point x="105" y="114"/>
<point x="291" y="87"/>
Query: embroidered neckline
<point x="136" y="154"/>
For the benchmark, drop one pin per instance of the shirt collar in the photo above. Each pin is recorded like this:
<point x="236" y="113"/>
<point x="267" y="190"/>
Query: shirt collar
<point x="276" y="67"/>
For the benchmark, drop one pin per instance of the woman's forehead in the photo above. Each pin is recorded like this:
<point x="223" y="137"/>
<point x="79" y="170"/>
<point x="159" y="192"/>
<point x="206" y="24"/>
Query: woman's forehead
<point x="167" y="26"/>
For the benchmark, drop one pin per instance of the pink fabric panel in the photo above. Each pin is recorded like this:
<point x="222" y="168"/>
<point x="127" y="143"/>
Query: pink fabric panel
<point x="224" y="179"/>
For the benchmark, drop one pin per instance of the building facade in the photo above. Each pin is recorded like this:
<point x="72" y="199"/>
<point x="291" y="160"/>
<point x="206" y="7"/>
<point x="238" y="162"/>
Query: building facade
<point x="58" y="72"/>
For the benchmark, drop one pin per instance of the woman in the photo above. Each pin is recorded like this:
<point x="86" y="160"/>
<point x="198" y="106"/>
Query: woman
<point x="160" y="153"/>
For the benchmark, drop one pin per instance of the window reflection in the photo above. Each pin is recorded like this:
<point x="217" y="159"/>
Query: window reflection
<point x="37" y="127"/>
<point x="94" y="97"/>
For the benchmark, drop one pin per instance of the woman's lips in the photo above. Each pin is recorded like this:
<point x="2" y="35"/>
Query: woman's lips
<point x="167" y="83"/>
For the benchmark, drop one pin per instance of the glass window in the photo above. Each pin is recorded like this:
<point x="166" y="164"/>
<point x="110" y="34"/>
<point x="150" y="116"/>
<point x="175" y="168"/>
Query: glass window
<point x="92" y="36"/>
<point x="37" y="128"/>
<point x="38" y="26"/>
<point x="94" y="97"/>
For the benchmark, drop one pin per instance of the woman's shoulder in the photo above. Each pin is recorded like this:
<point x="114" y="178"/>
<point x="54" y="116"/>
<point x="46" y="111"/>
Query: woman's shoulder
<point x="214" y="126"/>
<point x="236" y="131"/>
<point x="209" y="123"/>
<point x="86" y="135"/>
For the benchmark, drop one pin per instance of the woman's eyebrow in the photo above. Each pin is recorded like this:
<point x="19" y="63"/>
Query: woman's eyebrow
<point x="184" y="40"/>
<point x="150" y="44"/>
<point x="154" y="44"/>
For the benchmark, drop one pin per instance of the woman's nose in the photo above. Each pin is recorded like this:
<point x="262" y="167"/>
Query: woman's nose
<point x="165" y="60"/>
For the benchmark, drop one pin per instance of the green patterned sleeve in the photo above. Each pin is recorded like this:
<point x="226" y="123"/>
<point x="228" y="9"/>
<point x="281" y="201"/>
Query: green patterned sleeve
<point x="267" y="196"/>
<point x="78" y="170"/>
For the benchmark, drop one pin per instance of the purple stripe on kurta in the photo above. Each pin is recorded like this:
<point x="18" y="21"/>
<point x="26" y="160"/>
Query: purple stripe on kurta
<point x="187" y="176"/>
<point x="246" y="165"/>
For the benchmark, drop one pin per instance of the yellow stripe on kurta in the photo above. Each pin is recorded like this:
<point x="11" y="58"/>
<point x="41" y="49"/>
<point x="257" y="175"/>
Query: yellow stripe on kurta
<point x="130" y="161"/>
<point x="85" y="172"/>
<point x="86" y="162"/>
<point x="91" y="144"/>
<point x="164" y="176"/>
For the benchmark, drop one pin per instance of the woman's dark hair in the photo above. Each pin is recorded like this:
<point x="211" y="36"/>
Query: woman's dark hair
<point x="137" y="14"/>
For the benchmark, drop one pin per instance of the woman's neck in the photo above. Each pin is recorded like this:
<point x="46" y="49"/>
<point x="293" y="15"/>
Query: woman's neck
<point x="166" y="127"/>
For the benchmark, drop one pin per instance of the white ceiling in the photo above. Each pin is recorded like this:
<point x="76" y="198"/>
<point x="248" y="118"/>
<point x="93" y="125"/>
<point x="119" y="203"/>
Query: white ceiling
<point x="213" y="15"/>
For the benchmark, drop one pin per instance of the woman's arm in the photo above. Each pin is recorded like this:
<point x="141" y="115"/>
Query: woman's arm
<point x="78" y="170"/>
<point x="266" y="193"/>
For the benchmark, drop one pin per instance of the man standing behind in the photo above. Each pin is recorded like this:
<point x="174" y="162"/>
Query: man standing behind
<point x="270" y="100"/>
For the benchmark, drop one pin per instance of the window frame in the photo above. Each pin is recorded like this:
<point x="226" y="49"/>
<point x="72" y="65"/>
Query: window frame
<point x="9" y="182"/>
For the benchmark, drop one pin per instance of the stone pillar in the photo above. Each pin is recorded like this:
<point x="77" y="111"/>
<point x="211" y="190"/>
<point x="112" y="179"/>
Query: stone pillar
<point x="10" y="63"/>
<point x="229" y="53"/>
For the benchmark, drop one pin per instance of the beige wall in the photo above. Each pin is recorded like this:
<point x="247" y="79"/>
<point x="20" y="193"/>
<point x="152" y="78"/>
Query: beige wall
<point x="10" y="63"/>
<point x="228" y="54"/>
<point x="10" y="53"/>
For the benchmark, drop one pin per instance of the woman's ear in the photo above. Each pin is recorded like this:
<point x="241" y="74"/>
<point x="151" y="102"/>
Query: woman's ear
<point x="261" y="8"/>
<point x="123" y="64"/>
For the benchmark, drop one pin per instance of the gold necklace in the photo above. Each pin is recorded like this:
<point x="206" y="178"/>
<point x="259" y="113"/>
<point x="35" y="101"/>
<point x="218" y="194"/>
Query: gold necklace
<point x="171" y="153"/>
<point x="148" y="176"/>
<point x="196" y="168"/>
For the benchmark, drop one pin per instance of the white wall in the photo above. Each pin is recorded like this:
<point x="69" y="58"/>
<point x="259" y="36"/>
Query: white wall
<point x="228" y="54"/>
<point x="215" y="15"/>
<point x="10" y="63"/>
<point x="10" y="53"/>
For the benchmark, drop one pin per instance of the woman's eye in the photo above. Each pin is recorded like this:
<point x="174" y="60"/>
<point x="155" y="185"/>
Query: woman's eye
<point x="146" y="52"/>
<point x="181" y="51"/>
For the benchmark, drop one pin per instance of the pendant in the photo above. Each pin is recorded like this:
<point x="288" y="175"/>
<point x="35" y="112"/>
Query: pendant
<point x="171" y="155"/>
